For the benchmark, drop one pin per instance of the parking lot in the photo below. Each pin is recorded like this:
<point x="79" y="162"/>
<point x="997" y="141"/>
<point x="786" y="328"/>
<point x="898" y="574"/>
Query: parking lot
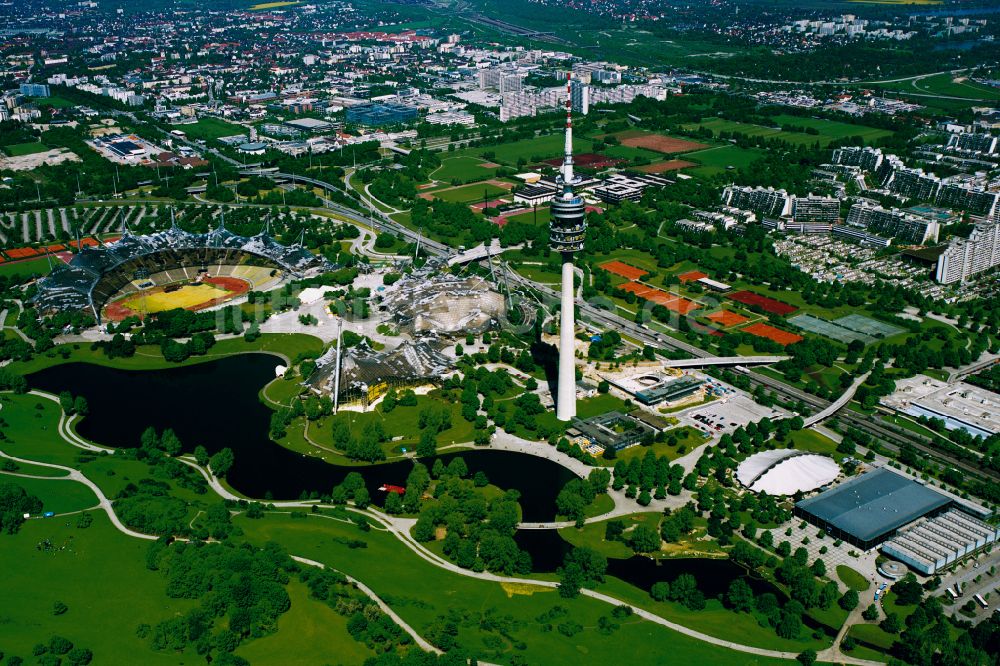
<point x="729" y="411"/>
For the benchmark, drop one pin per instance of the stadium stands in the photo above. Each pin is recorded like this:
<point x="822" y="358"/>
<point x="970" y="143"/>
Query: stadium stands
<point x="96" y="275"/>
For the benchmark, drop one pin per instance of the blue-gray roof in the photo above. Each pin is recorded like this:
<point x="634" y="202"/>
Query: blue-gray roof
<point x="874" y="504"/>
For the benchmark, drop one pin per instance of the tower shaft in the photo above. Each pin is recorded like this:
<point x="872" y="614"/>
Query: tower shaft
<point x="566" y="398"/>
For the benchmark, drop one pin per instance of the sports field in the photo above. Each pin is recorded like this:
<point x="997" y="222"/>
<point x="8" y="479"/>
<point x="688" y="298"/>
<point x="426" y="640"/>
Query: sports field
<point x="185" y="297"/>
<point x="662" y="144"/>
<point x="727" y="318"/>
<point x="211" y="291"/>
<point x="465" y="169"/>
<point x="772" y="333"/>
<point x="21" y="149"/>
<point x="623" y="269"/>
<point x="827" y="130"/>
<point x="532" y="150"/>
<point x="718" y="159"/>
<point x="211" y="128"/>
<point x="467" y="193"/>
<point x="669" y="165"/>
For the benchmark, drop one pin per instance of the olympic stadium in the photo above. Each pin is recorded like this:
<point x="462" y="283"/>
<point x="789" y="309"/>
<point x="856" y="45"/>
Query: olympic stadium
<point x="145" y="274"/>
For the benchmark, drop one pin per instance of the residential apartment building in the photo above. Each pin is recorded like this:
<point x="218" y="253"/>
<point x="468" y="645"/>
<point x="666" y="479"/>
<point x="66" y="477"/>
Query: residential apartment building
<point x="968" y="198"/>
<point x="764" y="201"/>
<point x="980" y="143"/>
<point x="815" y="209"/>
<point x="893" y="223"/>
<point x="966" y="257"/>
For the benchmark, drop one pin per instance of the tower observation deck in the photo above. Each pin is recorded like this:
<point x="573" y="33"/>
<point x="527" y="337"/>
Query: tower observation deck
<point x="568" y="225"/>
<point x="567" y="232"/>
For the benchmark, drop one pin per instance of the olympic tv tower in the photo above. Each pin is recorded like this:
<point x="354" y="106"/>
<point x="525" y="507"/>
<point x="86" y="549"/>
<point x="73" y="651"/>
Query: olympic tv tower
<point x="567" y="230"/>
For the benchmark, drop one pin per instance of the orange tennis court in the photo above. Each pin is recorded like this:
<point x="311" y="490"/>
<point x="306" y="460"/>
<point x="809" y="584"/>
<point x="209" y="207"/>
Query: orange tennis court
<point x="727" y="318"/>
<point x="621" y="268"/>
<point x="783" y="338"/>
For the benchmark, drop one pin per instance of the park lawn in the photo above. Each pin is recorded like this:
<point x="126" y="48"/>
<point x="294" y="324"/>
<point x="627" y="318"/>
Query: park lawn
<point x="687" y="437"/>
<point x="100" y="574"/>
<point x="57" y="495"/>
<point x="715" y="620"/>
<point x="148" y="357"/>
<point x="37" y="470"/>
<point x="26" y="268"/>
<point x="309" y="633"/>
<point x="470" y="193"/>
<point x="599" y="404"/>
<point x="808" y="439"/>
<point x="545" y="273"/>
<point x="852" y="578"/>
<point x="401" y="422"/>
<point x="535" y="149"/>
<point x="872" y="634"/>
<point x="210" y="129"/>
<point x="281" y="391"/>
<point x="719" y="159"/>
<point x="541" y="216"/>
<point x="464" y="168"/>
<point x="31" y="430"/>
<point x="832" y="129"/>
<point x="21" y="149"/>
<point x="423" y="594"/>
<point x="591" y="535"/>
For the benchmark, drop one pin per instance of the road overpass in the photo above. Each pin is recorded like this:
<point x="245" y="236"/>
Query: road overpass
<point x="724" y="360"/>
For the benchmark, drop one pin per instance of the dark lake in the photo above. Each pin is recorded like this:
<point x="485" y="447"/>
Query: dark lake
<point x="216" y="404"/>
<point x="548" y="549"/>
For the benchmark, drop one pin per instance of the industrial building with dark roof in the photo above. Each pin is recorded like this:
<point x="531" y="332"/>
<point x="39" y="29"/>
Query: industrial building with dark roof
<point x="871" y="508"/>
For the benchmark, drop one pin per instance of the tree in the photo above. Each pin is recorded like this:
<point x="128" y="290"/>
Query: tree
<point x="14" y="503"/>
<point x="660" y="591"/>
<point x="582" y="567"/>
<point x="891" y="624"/>
<point x="871" y="613"/>
<point x="222" y="462"/>
<point x="58" y="608"/>
<point x="361" y="498"/>
<point x="201" y="455"/>
<point x="807" y="658"/>
<point x="393" y="504"/>
<point x="908" y="590"/>
<point x="740" y="596"/>
<point x="645" y="539"/>
<point x="849" y="601"/>
<point x="169" y="442"/>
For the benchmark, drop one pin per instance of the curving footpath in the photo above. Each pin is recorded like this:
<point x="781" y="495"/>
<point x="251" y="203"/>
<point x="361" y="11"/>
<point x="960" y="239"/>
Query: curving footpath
<point x="400" y="528"/>
<point x="417" y="638"/>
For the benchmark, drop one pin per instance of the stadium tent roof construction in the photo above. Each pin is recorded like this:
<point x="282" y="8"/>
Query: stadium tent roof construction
<point x="870" y="508"/>
<point x="786" y="472"/>
<point x="78" y="284"/>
